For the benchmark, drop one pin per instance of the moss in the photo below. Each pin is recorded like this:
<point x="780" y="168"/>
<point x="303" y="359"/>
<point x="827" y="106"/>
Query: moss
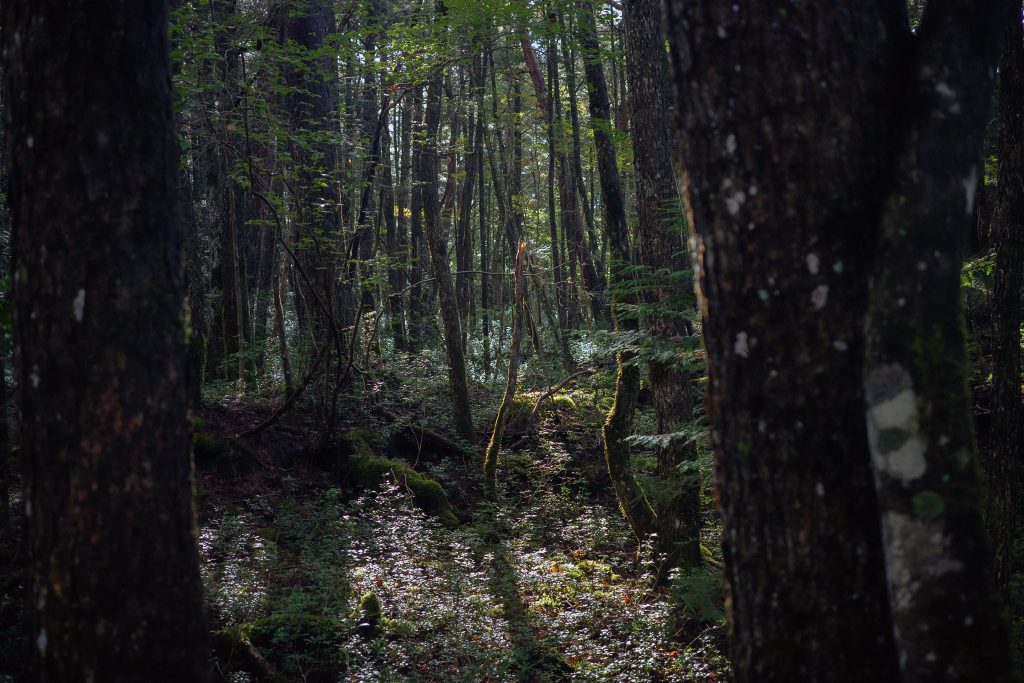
<point x="563" y="401"/>
<point x="370" y="471"/>
<point x="369" y="609"/>
<point x="518" y="416"/>
<point x="207" y="448"/>
<point x="362" y="442"/>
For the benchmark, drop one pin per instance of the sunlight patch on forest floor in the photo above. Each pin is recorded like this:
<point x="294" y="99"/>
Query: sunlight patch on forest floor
<point x="547" y="585"/>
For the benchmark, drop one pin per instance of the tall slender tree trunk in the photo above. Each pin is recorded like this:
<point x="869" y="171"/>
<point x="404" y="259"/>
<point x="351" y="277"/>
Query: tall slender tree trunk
<point x="661" y="244"/>
<point x="457" y="378"/>
<point x="619" y="423"/>
<point x="519" y="310"/>
<point x="557" y="270"/>
<point x="100" y="337"/>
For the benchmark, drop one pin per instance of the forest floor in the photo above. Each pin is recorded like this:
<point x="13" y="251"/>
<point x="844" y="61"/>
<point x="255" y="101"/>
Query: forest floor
<point x="313" y="573"/>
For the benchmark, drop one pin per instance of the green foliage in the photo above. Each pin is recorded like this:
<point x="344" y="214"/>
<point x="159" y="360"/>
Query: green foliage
<point x="698" y="592"/>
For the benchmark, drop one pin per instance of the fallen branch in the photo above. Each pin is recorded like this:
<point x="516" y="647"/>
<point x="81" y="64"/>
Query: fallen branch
<point x="561" y="385"/>
<point x="283" y="408"/>
<point x="421" y="433"/>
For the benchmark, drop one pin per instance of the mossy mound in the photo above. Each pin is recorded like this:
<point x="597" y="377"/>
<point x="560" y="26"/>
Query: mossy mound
<point x="521" y="409"/>
<point x="280" y="646"/>
<point x="368" y="471"/>
<point x="207" y="449"/>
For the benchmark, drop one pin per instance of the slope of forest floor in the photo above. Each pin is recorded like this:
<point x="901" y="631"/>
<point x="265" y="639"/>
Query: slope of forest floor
<point x="313" y="575"/>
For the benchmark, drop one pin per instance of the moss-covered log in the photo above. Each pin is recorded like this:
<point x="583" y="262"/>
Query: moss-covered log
<point x="368" y="470"/>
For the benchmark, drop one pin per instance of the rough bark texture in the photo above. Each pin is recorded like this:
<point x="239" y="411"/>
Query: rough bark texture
<point x="662" y="249"/>
<point x="1003" y="467"/>
<point x="783" y="126"/>
<point x="946" y="615"/>
<point x="857" y="130"/>
<point x="99" y="310"/>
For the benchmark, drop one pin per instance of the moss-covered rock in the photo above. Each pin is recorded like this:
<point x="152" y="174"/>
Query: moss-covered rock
<point x="368" y="615"/>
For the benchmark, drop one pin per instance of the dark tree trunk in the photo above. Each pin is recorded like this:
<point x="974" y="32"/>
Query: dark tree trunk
<point x="619" y="423"/>
<point x="418" y="311"/>
<point x="1003" y="467"/>
<point x="5" y="451"/>
<point x="101" y="344"/>
<point x="485" y="277"/>
<point x="661" y="245"/>
<point x="788" y="163"/>
<point x="312" y="105"/>
<point x="947" y="617"/>
<point x="458" y="383"/>
<point x="593" y="243"/>
<point x="557" y="271"/>
<point x="395" y="245"/>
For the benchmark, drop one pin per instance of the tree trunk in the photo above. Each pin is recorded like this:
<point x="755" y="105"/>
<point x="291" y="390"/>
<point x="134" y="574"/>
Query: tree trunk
<point x="1003" y="467"/>
<point x="519" y="305"/>
<point x="619" y="423"/>
<point x="458" y="383"/>
<point x="915" y="377"/>
<point x="661" y="244"/>
<point x="100" y="337"/>
<point x="788" y="163"/>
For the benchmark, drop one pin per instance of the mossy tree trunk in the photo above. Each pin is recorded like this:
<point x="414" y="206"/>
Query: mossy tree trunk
<point x="619" y="423"/>
<point x="1003" y="467"/>
<point x="661" y="238"/>
<point x="99" y="327"/>
<point x="501" y="421"/>
<point x="834" y="129"/>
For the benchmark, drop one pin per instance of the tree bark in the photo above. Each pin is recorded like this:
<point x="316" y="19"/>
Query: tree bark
<point x="661" y="235"/>
<point x="915" y="377"/>
<point x="100" y="337"/>
<point x="1003" y="467"/>
<point x="519" y="305"/>
<point x="833" y="128"/>
<point x="457" y="378"/>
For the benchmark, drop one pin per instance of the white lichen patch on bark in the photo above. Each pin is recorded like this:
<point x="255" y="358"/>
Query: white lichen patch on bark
<point x="741" y="346"/>
<point x="897" y="449"/>
<point x="819" y="297"/>
<point x="78" y="305"/>
<point x="813" y="264"/>
<point x="970" y="189"/>
<point x="917" y="550"/>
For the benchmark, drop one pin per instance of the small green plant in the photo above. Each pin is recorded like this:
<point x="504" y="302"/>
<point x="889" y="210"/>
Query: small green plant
<point x="697" y="592"/>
